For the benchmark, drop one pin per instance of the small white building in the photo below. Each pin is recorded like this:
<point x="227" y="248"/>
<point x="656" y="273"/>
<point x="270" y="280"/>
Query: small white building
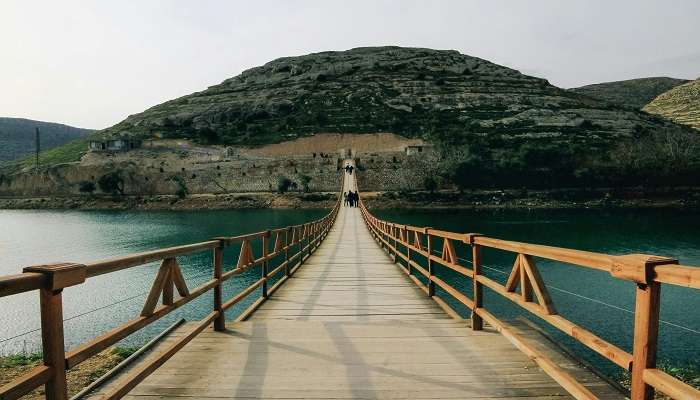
<point x="412" y="150"/>
<point x="117" y="144"/>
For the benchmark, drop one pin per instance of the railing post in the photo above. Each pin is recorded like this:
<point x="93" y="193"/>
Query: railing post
<point x="639" y="268"/>
<point x="646" y="331"/>
<point x="431" y="284"/>
<point x="286" y="252"/>
<point x="408" y="252"/>
<point x="265" y="252"/>
<point x="478" y="290"/>
<point x="57" y="277"/>
<point x="393" y="234"/>
<point x="220" y="321"/>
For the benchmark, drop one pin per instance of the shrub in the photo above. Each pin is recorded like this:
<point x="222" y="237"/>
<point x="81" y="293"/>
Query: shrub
<point x="430" y="184"/>
<point x="283" y="184"/>
<point x="111" y="182"/>
<point x="305" y="180"/>
<point x="86" y="187"/>
<point x="182" y="190"/>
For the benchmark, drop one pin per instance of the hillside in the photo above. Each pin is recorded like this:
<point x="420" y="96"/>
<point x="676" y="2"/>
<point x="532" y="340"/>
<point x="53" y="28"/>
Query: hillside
<point x="490" y="126"/>
<point x="680" y="104"/>
<point x="17" y="136"/>
<point x="443" y="95"/>
<point x="631" y="93"/>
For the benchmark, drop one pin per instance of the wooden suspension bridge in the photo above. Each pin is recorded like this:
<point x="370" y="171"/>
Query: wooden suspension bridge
<point x="348" y="308"/>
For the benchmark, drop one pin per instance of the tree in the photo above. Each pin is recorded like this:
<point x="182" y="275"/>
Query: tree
<point x="112" y="183"/>
<point x="305" y="180"/>
<point x="430" y="184"/>
<point x="283" y="184"/>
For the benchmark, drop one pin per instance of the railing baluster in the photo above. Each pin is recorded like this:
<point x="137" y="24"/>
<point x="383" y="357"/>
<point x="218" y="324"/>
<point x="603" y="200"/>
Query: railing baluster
<point x="431" y="284"/>
<point x="478" y="290"/>
<point x="220" y="321"/>
<point x="264" y="268"/>
<point x="286" y="252"/>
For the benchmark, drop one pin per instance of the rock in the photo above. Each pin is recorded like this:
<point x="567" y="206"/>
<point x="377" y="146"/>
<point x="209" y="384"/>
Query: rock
<point x="414" y="92"/>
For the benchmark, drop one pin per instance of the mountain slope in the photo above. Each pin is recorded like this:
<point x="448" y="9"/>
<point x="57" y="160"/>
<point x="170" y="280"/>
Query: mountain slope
<point x="17" y="136"/>
<point x="442" y="95"/>
<point x="680" y="104"/>
<point x="632" y="93"/>
<point x="491" y="125"/>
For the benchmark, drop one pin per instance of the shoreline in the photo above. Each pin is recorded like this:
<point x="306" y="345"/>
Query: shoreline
<point x="515" y="199"/>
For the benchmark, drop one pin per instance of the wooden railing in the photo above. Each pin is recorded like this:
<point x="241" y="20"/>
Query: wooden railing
<point x="289" y="246"/>
<point x="420" y="249"/>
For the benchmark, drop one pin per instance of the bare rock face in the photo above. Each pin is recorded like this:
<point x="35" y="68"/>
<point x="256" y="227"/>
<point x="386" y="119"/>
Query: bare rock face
<point x="443" y="96"/>
<point x="632" y="93"/>
<point x="680" y="104"/>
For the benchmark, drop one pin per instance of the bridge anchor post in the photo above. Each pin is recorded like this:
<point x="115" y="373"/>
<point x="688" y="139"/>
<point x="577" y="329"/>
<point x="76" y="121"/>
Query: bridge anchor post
<point x="57" y="277"/>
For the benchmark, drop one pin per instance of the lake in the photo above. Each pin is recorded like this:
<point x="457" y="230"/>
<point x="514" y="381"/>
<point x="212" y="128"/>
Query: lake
<point x="590" y="298"/>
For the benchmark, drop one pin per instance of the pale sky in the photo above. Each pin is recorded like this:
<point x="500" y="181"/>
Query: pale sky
<point x="92" y="63"/>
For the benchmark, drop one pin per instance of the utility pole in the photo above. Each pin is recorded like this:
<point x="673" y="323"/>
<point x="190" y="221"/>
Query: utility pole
<point x="38" y="146"/>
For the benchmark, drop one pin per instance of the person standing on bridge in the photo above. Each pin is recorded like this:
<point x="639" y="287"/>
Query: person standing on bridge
<point x="354" y="198"/>
<point x="346" y="200"/>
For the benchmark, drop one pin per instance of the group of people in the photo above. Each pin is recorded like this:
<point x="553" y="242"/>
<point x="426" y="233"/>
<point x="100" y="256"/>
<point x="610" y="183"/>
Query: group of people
<point x="349" y="168"/>
<point x="351" y="198"/>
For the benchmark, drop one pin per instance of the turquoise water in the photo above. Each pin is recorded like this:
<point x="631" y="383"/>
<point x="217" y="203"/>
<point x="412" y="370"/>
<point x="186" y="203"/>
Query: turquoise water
<point x="592" y="299"/>
<point x="104" y="302"/>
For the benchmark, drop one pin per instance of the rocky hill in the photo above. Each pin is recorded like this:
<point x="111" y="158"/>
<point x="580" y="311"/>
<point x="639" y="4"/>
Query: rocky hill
<point x="631" y="93"/>
<point x="490" y="126"/>
<point x="680" y="104"/>
<point x="410" y="91"/>
<point x="17" y="136"/>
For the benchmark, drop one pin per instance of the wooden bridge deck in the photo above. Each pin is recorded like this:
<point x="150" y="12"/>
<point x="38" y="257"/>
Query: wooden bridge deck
<point x="350" y="324"/>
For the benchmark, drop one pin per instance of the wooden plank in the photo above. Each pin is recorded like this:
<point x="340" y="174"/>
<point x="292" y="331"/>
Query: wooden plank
<point x="179" y="280"/>
<point x="131" y="380"/>
<point x="538" y="285"/>
<point x="156" y="289"/>
<point x="52" y="344"/>
<point x="646" y="331"/>
<point x="670" y="385"/>
<point x="563" y="378"/>
<point x="25" y="383"/>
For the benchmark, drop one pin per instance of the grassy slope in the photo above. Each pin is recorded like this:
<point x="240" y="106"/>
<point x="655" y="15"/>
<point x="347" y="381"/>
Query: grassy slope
<point x="69" y="152"/>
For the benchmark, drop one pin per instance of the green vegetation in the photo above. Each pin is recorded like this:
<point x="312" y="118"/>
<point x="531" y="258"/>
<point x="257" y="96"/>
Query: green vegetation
<point x="69" y="152"/>
<point x="17" y="136"/>
<point x="656" y="159"/>
<point x="17" y="360"/>
<point x="283" y="184"/>
<point x="111" y="183"/>
<point x="124" y="352"/>
<point x="182" y="190"/>
<point x="430" y="184"/>
<point x="305" y="180"/>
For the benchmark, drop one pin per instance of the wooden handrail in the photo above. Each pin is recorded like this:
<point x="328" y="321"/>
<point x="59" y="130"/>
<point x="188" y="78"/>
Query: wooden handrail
<point x="294" y="242"/>
<point x="647" y="272"/>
